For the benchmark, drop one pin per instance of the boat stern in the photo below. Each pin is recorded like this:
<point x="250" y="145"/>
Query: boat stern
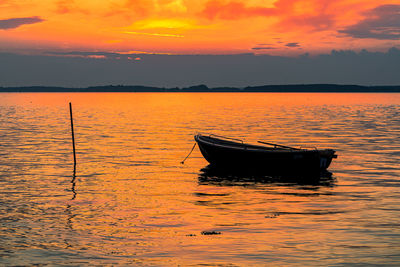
<point x="325" y="158"/>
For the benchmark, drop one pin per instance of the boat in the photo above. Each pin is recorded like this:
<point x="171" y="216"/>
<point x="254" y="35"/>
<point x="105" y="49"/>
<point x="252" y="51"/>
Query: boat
<point x="233" y="153"/>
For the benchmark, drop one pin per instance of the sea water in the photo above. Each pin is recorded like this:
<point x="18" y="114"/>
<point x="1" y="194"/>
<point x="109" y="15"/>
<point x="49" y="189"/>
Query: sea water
<point x="130" y="201"/>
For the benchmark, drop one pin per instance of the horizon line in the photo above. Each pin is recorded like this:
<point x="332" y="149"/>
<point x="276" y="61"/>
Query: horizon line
<point x="301" y="88"/>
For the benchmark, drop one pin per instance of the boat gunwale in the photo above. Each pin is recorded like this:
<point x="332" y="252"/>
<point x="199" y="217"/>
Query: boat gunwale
<point x="252" y="148"/>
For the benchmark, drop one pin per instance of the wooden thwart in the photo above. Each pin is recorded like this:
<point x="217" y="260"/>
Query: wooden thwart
<point x="276" y="145"/>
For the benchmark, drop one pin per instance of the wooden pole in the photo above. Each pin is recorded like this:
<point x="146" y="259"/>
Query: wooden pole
<point x="72" y="131"/>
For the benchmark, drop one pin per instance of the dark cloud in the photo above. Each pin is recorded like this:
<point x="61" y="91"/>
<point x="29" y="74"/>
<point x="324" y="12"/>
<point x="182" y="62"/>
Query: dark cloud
<point x="83" y="54"/>
<point x="7" y="24"/>
<point x="263" y="48"/>
<point x="98" y="55"/>
<point x="382" y="22"/>
<point x="292" y="45"/>
<point x="81" y="69"/>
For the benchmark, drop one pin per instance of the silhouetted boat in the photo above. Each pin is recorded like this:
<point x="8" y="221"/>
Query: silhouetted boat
<point x="233" y="153"/>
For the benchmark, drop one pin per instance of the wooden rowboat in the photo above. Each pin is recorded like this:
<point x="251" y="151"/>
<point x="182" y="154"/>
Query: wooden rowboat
<point x="234" y="153"/>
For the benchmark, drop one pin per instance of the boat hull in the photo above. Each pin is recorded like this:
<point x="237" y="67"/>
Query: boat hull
<point x="242" y="156"/>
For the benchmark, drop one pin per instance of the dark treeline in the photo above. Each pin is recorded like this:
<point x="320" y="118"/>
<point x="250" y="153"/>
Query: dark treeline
<point x="301" y="88"/>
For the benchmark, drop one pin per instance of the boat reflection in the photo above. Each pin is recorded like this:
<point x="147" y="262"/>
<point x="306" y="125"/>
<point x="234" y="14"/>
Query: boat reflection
<point x="212" y="175"/>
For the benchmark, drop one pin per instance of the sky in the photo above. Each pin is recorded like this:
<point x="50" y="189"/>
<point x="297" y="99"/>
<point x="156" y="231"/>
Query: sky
<point x="104" y="29"/>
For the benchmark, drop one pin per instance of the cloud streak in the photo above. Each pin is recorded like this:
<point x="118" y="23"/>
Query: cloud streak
<point x="263" y="48"/>
<point x="292" y="45"/>
<point x="155" y="34"/>
<point x="382" y="23"/>
<point x="13" y="23"/>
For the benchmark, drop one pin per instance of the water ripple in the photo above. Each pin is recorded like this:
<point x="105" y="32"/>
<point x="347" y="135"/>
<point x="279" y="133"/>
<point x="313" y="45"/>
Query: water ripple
<point x="130" y="201"/>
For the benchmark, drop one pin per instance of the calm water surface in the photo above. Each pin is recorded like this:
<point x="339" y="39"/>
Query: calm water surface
<point x="133" y="203"/>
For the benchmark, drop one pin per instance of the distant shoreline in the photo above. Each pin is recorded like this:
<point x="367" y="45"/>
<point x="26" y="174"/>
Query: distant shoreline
<point x="297" y="88"/>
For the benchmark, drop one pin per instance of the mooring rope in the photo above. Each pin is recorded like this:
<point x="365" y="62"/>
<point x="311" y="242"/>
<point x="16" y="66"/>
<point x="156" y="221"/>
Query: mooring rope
<point x="183" y="161"/>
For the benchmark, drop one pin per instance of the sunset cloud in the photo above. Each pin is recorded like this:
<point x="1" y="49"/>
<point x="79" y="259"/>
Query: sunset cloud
<point x="234" y="10"/>
<point x="70" y="6"/>
<point x="311" y="15"/>
<point x="64" y="6"/>
<point x="382" y="22"/>
<point x="140" y="9"/>
<point x="294" y="12"/>
<point x="13" y="23"/>
<point x="202" y="26"/>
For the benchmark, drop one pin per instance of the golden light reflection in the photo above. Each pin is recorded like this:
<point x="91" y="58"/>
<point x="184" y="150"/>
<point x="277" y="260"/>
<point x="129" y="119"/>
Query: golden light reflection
<point x="133" y="202"/>
<point x="201" y="100"/>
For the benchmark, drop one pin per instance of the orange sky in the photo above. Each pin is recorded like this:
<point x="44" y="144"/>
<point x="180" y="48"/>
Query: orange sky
<point x="277" y="27"/>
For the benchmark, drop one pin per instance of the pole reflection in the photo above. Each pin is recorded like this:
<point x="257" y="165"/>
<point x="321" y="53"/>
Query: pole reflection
<point x="73" y="184"/>
<point x="68" y="210"/>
